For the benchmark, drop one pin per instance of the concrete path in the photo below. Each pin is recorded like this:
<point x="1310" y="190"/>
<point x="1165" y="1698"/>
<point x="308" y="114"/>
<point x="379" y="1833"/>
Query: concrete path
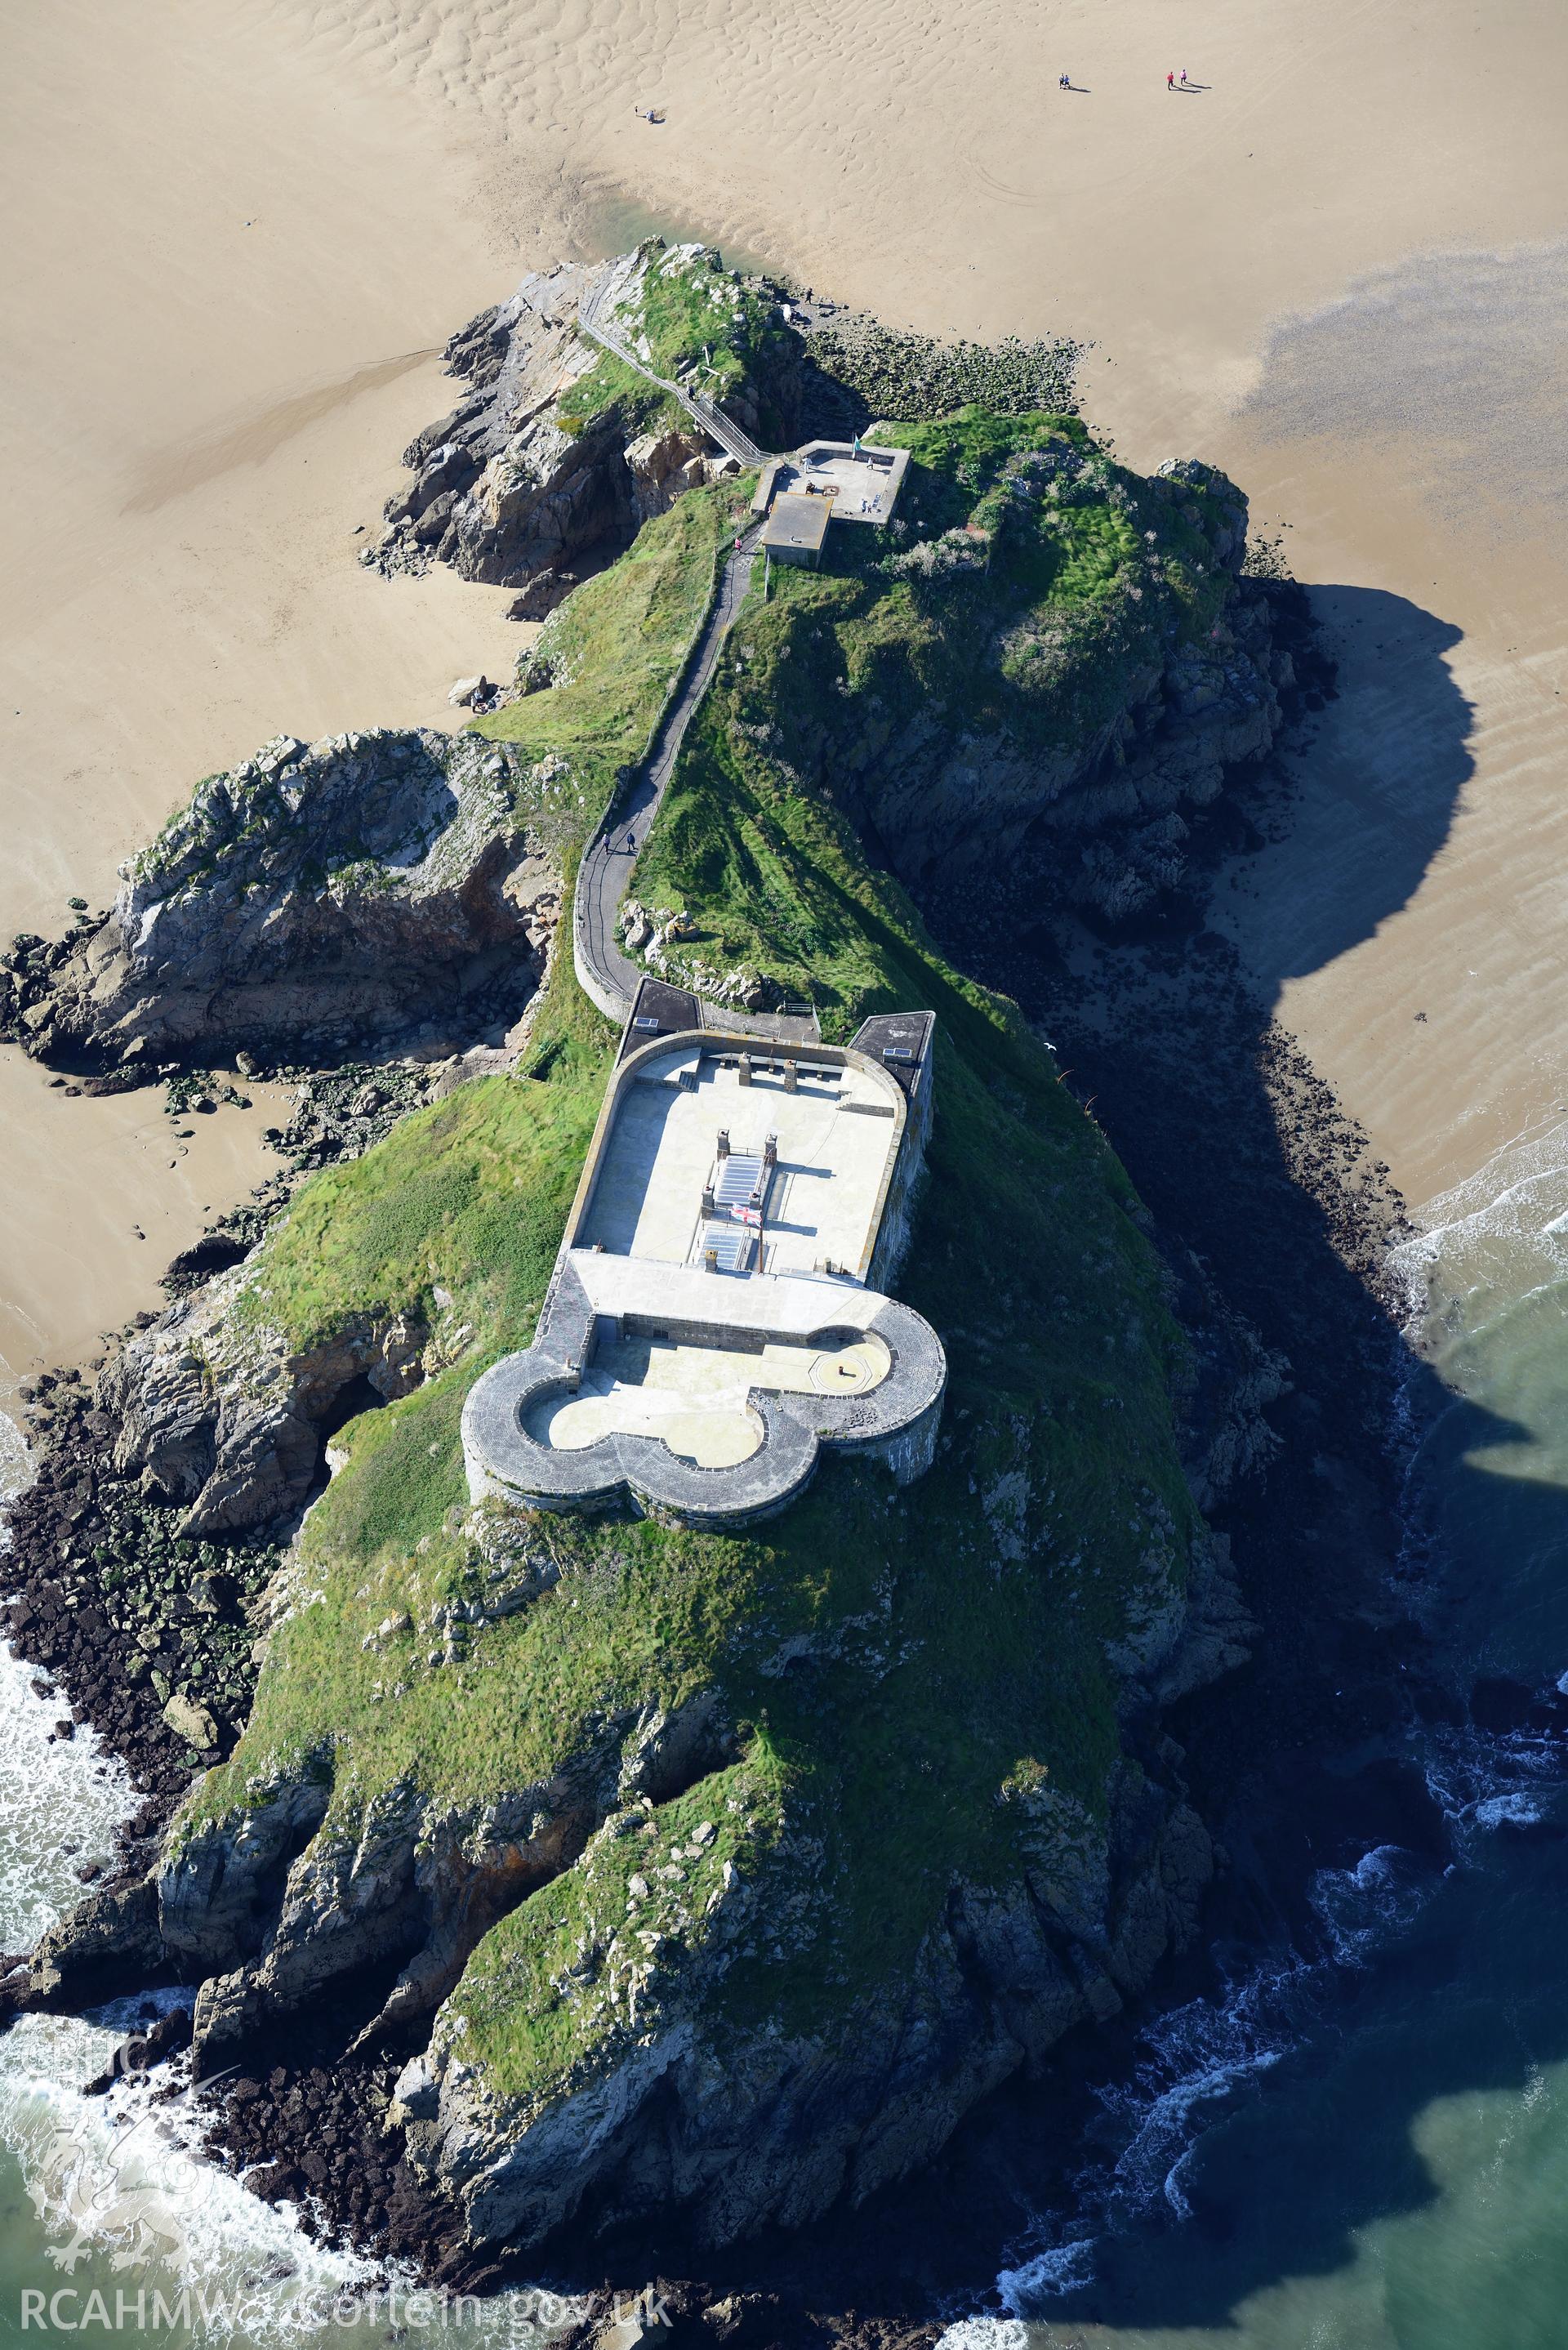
<point x="712" y="420"/>
<point x="607" y="975"/>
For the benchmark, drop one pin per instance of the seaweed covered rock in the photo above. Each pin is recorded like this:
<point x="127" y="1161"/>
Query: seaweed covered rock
<point x="350" y="887"/>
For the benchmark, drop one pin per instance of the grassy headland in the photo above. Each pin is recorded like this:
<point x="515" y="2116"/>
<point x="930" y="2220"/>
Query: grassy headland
<point x="1027" y="585"/>
<point x="697" y="325"/>
<point x="951" y="1688"/>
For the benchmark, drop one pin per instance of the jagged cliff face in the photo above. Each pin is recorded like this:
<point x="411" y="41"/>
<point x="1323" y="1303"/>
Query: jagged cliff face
<point x="668" y="2094"/>
<point x="220" y="1413"/>
<point x="313" y="894"/>
<point x="989" y="714"/>
<point x="557" y="454"/>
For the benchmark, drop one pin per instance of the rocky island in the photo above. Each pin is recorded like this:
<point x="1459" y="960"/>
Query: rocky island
<point x="634" y="1867"/>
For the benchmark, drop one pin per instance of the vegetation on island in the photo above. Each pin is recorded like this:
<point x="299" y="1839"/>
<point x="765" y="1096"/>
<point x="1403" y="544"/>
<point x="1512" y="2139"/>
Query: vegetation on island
<point x="695" y="323"/>
<point x="1026" y="583"/>
<point x="604" y="666"/>
<point x="949" y="1700"/>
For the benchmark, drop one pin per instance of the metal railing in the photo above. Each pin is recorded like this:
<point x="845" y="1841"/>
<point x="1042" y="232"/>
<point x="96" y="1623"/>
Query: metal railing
<point x="720" y="427"/>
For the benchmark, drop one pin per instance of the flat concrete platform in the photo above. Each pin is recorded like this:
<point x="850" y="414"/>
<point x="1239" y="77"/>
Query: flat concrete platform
<point x="790" y="1306"/>
<point x="837" y="1136"/>
<point x="861" y="484"/>
<point x="796" y="525"/>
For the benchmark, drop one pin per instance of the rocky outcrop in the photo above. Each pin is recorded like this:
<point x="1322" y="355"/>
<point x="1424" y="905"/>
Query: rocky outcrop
<point x="215" y="1410"/>
<point x="288" y="1895"/>
<point x="111" y="1938"/>
<point x="670" y="2104"/>
<point x="313" y="894"/>
<point x="531" y="474"/>
<point x="1111" y="790"/>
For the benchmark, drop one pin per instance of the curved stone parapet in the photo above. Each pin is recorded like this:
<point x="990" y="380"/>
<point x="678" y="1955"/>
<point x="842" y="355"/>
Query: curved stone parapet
<point x="895" y="1421"/>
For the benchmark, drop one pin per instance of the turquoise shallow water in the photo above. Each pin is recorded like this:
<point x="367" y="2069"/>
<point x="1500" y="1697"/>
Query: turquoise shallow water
<point x="1369" y="2151"/>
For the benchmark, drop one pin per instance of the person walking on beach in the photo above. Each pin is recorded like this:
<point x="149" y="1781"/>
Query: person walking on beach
<point x="1184" y="77"/>
<point x="1170" y="81"/>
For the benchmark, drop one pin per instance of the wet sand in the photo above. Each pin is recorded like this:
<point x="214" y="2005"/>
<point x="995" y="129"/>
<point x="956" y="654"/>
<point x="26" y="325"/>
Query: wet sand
<point x="194" y="415"/>
<point x="99" y="1194"/>
<point x="241" y="231"/>
<point x="1416" y="920"/>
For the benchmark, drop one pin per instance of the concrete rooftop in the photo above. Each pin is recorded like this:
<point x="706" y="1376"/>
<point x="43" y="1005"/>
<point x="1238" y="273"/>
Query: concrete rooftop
<point x="799" y="522"/>
<point x="837" y="1135"/>
<point x="858" y="484"/>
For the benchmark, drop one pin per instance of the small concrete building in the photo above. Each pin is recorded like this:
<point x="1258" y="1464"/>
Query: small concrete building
<point x="861" y="480"/>
<point x="795" y="528"/>
<point x="718" y="1310"/>
<point x="829" y="480"/>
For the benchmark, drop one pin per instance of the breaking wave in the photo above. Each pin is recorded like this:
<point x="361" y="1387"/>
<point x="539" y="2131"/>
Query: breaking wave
<point x="1483" y="1283"/>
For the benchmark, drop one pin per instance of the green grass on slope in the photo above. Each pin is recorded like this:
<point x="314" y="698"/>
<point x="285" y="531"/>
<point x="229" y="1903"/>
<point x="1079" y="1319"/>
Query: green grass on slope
<point x="702" y="328"/>
<point x="465" y="1195"/>
<point x="892" y="1662"/>
<point x="616" y="648"/>
<point x="948" y="1640"/>
<point x="1060" y="602"/>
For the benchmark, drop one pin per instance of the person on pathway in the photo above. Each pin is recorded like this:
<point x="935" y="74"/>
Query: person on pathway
<point x="631" y="844"/>
<point x="1170" y="81"/>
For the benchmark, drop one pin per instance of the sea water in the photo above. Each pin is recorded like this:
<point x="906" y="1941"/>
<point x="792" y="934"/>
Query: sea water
<point x="112" y="2223"/>
<point x="1361" y="2145"/>
<point x="1364" y="2144"/>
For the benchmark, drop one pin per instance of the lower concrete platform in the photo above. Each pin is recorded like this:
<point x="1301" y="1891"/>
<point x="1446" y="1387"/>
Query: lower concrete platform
<point x="702" y="1383"/>
<point x="695" y="1400"/>
<point x="861" y="484"/>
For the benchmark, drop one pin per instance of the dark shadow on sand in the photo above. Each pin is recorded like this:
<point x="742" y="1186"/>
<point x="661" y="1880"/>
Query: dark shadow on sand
<point x="1309" y="1757"/>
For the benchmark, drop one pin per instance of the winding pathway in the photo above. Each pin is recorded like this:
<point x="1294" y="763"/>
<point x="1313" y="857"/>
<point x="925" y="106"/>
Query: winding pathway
<point x="610" y="859"/>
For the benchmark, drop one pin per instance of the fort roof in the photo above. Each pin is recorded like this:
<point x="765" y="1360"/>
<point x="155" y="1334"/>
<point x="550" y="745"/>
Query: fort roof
<point x="712" y="1320"/>
<point x="797" y="522"/>
<point x="860" y="483"/>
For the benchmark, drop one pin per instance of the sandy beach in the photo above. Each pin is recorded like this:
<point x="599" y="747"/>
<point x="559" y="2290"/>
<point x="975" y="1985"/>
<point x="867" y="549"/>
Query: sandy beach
<point x="240" y="234"/>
